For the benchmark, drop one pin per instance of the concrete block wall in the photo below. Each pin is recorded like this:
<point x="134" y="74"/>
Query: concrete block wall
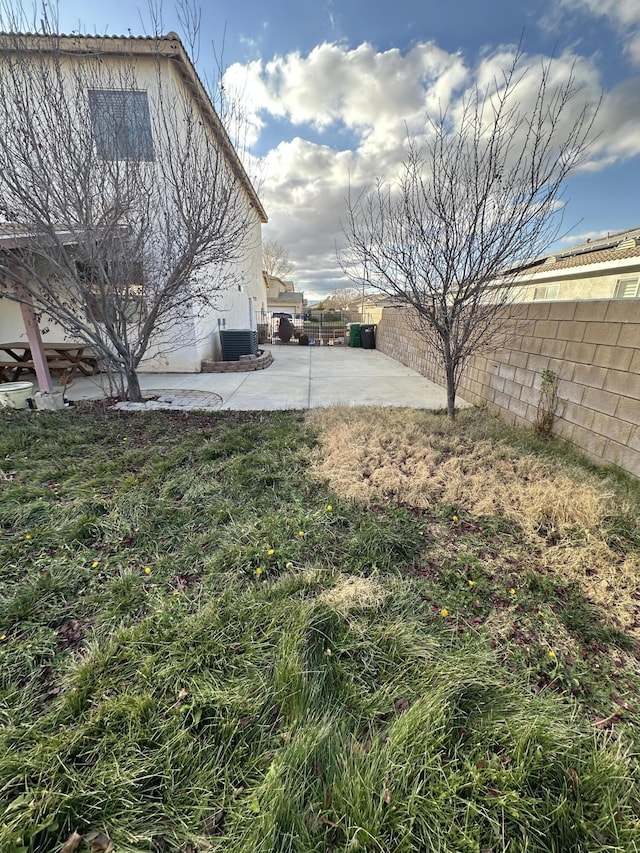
<point x="592" y="346"/>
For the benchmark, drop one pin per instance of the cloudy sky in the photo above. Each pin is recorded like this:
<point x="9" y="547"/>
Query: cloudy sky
<point x="331" y="88"/>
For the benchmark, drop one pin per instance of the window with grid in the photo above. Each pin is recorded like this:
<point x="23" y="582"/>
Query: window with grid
<point x="121" y="124"/>
<point x="549" y="292"/>
<point x="628" y="288"/>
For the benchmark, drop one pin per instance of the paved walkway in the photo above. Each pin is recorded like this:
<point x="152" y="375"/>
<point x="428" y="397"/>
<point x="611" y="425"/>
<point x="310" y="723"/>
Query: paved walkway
<point x="299" y="378"/>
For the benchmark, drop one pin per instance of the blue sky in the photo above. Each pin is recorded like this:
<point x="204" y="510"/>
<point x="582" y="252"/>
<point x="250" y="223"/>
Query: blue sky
<point x="329" y="88"/>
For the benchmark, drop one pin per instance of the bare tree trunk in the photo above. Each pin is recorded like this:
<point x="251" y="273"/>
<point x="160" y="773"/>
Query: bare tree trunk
<point x="134" y="392"/>
<point x="451" y="381"/>
<point x="451" y="395"/>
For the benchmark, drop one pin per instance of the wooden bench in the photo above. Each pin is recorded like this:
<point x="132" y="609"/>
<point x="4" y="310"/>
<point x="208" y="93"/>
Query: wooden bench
<point x="10" y="371"/>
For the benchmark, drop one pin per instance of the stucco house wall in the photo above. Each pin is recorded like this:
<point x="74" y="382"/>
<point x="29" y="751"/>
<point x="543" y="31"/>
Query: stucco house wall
<point x="164" y="71"/>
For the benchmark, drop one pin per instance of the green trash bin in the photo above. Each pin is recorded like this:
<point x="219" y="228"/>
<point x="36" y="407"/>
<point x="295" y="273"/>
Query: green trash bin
<point x="354" y="335"/>
<point x="368" y="335"/>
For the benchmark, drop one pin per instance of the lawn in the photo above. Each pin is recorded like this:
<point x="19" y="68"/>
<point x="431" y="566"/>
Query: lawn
<point x="351" y="630"/>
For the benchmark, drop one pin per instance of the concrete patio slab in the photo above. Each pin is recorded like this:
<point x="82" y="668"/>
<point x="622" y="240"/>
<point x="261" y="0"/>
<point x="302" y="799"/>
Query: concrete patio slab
<point x="299" y="378"/>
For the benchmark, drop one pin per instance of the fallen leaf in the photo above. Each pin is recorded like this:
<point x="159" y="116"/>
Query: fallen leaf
<point x="181" y="695"/>
<point x="71" y="843"/>
<point x="575" y="780"/>
<point x="622" y="703"/>
<point x="100" y="843"/>
<point x="606" y="722"/>
<point x="386" y="796"/>
<point x="212" y="823"/>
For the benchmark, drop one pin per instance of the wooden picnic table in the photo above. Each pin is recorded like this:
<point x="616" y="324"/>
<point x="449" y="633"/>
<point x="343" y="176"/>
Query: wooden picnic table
<point x="63" y="359"/>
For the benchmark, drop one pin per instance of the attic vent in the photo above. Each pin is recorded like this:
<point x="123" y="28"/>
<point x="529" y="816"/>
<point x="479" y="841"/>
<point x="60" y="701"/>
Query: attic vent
<point x="628" y="288"/>
<point x="629" y="243"/>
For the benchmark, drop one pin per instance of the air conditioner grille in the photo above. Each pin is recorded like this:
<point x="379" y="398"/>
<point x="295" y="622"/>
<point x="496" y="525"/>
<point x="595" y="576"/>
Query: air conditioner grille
<point x="237" y="342"/>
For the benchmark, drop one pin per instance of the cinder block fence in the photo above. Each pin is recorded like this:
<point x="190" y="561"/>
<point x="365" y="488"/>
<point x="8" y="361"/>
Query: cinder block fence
<point x="592" y="346"/>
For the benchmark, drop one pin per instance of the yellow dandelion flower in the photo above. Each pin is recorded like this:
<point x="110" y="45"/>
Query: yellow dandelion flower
<point x="3" y="637"/>
<point x="300" y="532"/>
<point x="444" y="612"/>
<point x="95" y="564"/>
<point x="512" y="591"/>
<point x="270" y="552"/>
<point x="471" y="583"/>
<point x="28" y="536"/>
<point x="551" y="653"/>
<point x="454" y="518"/>
<point x="147" y="570"/>
<point x="259" y="571"/>
<point x="329" y="508"/>
<point x="540" y="613"/>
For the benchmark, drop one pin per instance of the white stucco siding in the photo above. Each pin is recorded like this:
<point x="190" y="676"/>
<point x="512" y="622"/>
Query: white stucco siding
<point x="238" y="284"/>
<point x="12" y="326"/>
<point x="577" y="284"/>
<point x="171" y="101"/>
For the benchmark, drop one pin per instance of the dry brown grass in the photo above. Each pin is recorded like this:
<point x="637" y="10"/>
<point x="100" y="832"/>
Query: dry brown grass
<point x="354" y="593"/>
<point x="372" y="456"/>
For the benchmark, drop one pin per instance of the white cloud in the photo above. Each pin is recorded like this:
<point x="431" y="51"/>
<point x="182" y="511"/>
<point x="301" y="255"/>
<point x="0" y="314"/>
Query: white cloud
<point x="376" y="97"/>
<point x="584" y="237"/>
<point x="624" y="16"/>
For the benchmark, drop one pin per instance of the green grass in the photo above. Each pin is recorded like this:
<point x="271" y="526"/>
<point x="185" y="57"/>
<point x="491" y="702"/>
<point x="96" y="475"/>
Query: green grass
<point x="198" y="654"/>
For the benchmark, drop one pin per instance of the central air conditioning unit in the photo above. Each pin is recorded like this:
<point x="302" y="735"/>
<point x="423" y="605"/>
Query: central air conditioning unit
<point x="237" y="342"/>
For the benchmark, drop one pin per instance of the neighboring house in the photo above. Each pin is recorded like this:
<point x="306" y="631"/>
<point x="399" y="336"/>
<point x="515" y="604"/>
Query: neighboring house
<point x="607" y="268"/>
<point x="368" y="308"/>
<point x="282" y="296"/>
<point x="165" y="79"/>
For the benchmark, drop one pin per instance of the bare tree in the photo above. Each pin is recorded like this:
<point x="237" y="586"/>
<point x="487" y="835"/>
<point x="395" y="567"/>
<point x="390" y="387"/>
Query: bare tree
<point x="135" y="204"/>
<point x="275" y="260"/>
<point x="342" y="298"/>
<point x="482" y="194"/>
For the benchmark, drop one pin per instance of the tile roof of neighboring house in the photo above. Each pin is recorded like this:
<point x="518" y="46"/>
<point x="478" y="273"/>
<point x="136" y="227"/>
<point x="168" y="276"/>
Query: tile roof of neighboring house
<point x="10" y="229"/>
<point x="14" y="235"/>
<point x="169" y="46"/>
<point x="286" y="284"/>
<point x="289" y="296"/>
<point x="614" y="247"/>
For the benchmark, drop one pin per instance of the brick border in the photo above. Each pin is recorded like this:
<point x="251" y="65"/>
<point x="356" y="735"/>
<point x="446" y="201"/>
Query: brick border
<point x="246" y="364"/>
